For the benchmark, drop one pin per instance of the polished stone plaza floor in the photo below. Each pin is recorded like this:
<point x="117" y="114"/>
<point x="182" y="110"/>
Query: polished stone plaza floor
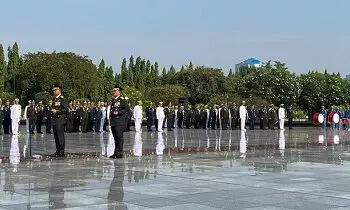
<point x="304" y="168"/>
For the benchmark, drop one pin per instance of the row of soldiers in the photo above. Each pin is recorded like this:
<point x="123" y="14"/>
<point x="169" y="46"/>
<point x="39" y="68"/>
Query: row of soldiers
<point x="89" y="116"/>
<point x="219" y="117"/>
<point x="81" y="117"/>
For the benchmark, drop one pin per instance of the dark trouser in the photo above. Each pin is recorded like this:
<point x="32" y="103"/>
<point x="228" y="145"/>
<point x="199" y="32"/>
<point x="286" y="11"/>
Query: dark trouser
<point x="204" y="123"/>
<point x="97" y="125"/>
<point x="179" y="122"/>
<point x="261" y="123"/>
<point x="149" y="124"/>
<point x="69" y="127"/>
<point x="117" y="132"/>
<point x="290" y="123"/>
<point x="58" y="132"/>
<point x="251" y="124"/>
<point x="76" y="124"/>
<point x="39" y="123"/>
<point x="224" y="123"/>
<point x="156" y="124"/>
<point x="169" y="123"/>
<point x="31" y="125"/>
<point x="0" y="126"/>
<point x="265" y="123"/>
<point x="272" y="124"/>
<point x="48" y="125"/>
<point x="234" y="123"/>
<point x="128" y="123"/>
<point x="84" y="125"/>
<point x="213" y="123"/>
<point x="7" y="123"/>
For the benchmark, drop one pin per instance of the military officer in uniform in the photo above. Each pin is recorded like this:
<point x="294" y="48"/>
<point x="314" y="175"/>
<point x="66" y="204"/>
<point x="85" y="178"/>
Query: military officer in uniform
<point x="48" y="117"/>
<point x="59" y="112"/>
<point x="118" y="119"/>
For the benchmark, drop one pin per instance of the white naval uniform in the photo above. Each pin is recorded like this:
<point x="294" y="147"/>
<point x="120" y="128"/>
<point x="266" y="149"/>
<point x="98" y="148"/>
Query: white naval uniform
<point x="160" y="117"/>
<point x="281" y="117"/>
<point x="138" y="118"/>
<point x="15" y="117"/>
<point x="243" y="116"/>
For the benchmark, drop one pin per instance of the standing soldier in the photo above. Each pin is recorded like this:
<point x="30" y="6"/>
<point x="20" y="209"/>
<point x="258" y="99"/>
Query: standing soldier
<point x="168" y="111"/>
<point x="39" y="116"/>
<point x="174" y="125"/>
<point x="252" y="117"/>
<point x="234" y="116"/>
<point x="25" y="116"/>
<point x="48" y="117"/>
<point x="180" y="117"/>
<point x="103" y="119"/>
<point x="281" y="116"/>
<point x="197" y="117"/>
<point x="188" y="117"/>
<point x="224" y="114"/>
<point x="160" y="116"/>
<point x="97" y="117"/>
<point x="31" y="116"/>
<point x="150" y="117"/>
<point x="119" y="108"/>
<point x="84" y="117"/>
<point x="59" y="111"/>
<point x="272" y="117"/>
<point x="7" y="117"/>
<point x="15" y="116"/>
<point x="1" y="116"/>
<point x="290" y="116"/>
<point x="138" y="116"/>
<point x="265" y="118"/>
<point x="70" y="118"/>
<point x="213" y="117"/>
<point x="76" y="121"/>
<point x="243" y="115"/>
<point x="204" y="117"/>
<point x="128" y="116"/>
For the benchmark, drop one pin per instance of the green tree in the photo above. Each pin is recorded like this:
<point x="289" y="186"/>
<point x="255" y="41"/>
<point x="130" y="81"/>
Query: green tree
<point x="171" y="75"/>
<point x="102" y="67"/>
<point x="12" y="68"/>
<point x="78" y="76"/>
<point x="166" y="93"/>
<point x="124" y="79"/>
<point x="164" y="78"/>
<point x="109" y="80"/>
<point x="203" y="83"/>
<point x="2" y="68"/>
<point x="131" y="72"/>
<point x="137" y="72"/>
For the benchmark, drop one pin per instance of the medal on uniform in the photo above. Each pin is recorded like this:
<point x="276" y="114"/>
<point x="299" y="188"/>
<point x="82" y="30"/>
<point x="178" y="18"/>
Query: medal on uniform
<point x="117" y="104"/>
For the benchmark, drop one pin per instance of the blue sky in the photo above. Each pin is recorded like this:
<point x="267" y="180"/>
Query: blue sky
<point x="305" y="34"/>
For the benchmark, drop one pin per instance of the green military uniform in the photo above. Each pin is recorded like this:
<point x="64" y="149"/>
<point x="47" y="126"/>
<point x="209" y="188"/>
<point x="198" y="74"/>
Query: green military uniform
<point x="118" y="119"/>
<point x="59" y="112"/>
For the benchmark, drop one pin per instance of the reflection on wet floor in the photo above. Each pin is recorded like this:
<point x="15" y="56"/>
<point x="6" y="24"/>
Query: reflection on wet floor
<point x="216" y="166"/>
<point x="249" y="144"/>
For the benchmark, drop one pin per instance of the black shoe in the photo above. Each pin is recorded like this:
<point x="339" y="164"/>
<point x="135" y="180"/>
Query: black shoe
<point x="116" y="156"/>
<point x="48" y="132"/>
<point x="61" y="154"/>
<point x="54" y="154"/>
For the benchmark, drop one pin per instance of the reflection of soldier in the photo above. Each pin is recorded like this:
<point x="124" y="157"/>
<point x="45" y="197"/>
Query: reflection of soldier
<point x="56" y="192"/>
<point x="116" y="191"/>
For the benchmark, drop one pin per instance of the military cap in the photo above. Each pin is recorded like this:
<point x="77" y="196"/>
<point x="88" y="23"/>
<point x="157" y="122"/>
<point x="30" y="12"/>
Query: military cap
<point x="55" y="86"/>
<point x="119" y="87"/>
